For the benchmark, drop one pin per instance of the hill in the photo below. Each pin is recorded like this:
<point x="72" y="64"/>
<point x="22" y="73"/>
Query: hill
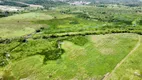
<point x="62" y="1"/>
<point x="53" y="3"/>
<point x="45" y="3"/>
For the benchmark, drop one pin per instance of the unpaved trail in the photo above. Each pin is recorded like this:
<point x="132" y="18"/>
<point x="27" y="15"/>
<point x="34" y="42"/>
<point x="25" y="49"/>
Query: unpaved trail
<point x="118" y="65"/>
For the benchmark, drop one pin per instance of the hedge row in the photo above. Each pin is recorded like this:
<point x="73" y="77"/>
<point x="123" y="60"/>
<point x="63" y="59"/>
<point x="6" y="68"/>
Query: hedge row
<point x="47" y="36"/>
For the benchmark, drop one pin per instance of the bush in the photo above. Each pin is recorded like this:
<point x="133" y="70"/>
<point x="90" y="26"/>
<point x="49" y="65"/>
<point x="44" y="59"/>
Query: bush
<point x="38" y="30"/>
<point x="3" y="62"/>
<point x="53" y="54"/>
<point x="79" y="40"/>
<point x="42" y="28"/>
<point x="74" y="22"/>
<point x="6" y="41"/>
<point x="23" y="40"/>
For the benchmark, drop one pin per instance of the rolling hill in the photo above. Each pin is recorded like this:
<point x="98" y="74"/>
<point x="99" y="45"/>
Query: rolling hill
<point x="96" y="1"/>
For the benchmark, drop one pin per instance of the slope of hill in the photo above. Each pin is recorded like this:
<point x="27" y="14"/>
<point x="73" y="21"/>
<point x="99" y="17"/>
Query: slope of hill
<point x="19" y="3"/>
<point x="12" y="3"/>
<point x="53" y="3"/>
<point x="96" y="1"/>
<point x="45" y="3"/>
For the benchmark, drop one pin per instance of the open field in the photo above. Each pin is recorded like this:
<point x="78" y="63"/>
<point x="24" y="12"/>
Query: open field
<point x="22" y="24"/>
<point x="131" y="68"/>
<point x="91" y="59"/>
<point x="80" y="42"/>
<point x="71" y="19"/>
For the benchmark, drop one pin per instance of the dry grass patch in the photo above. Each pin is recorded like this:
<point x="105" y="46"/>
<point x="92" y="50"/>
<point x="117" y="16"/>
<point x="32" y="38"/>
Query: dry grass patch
<point x="106" y="43"/>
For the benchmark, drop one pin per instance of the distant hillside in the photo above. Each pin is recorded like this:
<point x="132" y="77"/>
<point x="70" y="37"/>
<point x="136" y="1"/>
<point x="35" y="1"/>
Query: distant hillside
<point x="12" y="3"/>
<point x="45" y="3"/>
<point x="117" y="1"/>
<point x="97" y="1"/>
<point x="110" y="1"/>
<point x="52" y="3"/>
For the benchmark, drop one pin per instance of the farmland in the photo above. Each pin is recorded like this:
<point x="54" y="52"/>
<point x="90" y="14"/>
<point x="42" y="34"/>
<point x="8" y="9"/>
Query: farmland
<point x="86" y="42"/>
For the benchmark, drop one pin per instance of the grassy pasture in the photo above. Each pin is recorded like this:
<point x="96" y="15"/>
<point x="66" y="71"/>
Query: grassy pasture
<point x="22" y="24"/>
<point x="69" y="19"/>
<point x="80" y="61"/>
<point x="27" y="17"/>
<point x="83" y="57"/>
<point x="56" y="13"/>
<point x="70" y="24"/>
<point x="131" y="68"/>
<point x="89" y="18"/>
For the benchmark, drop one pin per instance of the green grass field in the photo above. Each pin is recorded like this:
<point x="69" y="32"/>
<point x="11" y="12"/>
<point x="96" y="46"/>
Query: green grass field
<point x="72" y="43"/>
<point x="22" y="24"/>
<point x="90" y="59"/>
<point x="131" y="68"/>
<point x="70" y="19"/>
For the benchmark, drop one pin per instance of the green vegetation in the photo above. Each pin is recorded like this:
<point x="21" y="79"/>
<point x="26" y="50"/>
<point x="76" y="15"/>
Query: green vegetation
<point x="65" y="42"/>
<point x="79" y="40"/>
<point x="22" y="24"/>
<point x="68" y="25"/>
<point x="46" y="3"/>
<point x="68" y="19"/>
<point x="100" y="54"/>
<point x="88" y="18"/>
<point x="6" y="13"/>
<point x="131" y="68"/>
<point x="12" y="3"/>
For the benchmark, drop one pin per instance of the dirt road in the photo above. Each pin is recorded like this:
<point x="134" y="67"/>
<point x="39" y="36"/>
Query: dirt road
<point x="118" y="65"/>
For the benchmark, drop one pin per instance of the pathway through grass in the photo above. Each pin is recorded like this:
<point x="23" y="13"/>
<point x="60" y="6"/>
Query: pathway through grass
<point x="107" y="77"/>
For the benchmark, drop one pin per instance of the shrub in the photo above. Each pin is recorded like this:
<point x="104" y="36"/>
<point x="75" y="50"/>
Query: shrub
<point x="22" y="40"/>
<point x="38" y="30"/>
<point x="79" y="40"/>
<point x="74" y="22"/>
